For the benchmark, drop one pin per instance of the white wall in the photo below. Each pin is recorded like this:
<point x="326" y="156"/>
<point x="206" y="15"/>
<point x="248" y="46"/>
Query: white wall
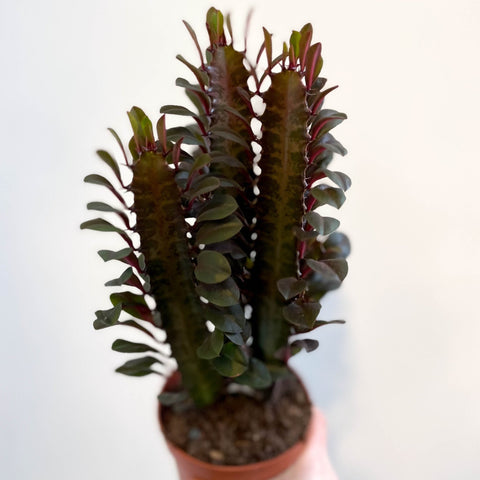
<point x="399" y="383"/>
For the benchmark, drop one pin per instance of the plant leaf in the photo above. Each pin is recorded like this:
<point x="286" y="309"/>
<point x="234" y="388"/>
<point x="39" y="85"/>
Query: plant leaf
<point x="291" y="287"/>
<point x="133" y="304"/>
<point x="138" y="367"/>
<point x="326" y="195"/>
<point x="177" y="110"/>
<point x="230" y="135"/>
<point x="313" y="64"/>
<point x="174" y="134"/>
<point x="328" y="269"/>
<point x="125" y="346"/>
<point x="214" y="232"/>
<point x="218" y="208"/>
<point x="223" y="322"/>
<point x="257" y="376"/>
<point x="225" y="294"/>
<point x="212" y="267"/>
<point x="100" y="225"/>
<point x="107" y="318"/>
<point x="203" y="185"/>
<point x="323" y="225"/>
<point x="126" y="278"/>
<point x="232" y="362"/>
<point x="95" y="179"/>
<point x="305" y="343"/>
<point x="108" y="255"/>
<point x="104" y="207"/>
<point x="338" y="243"/>
<point x="111" y="162"/>
<point x="340" y="179"/>
<point x="200" y="162"/>
<point x="302" y="315"/>
<point x="212" y="346"/>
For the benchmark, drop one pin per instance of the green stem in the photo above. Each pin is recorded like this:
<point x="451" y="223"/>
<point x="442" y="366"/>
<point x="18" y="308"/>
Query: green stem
<point x="279" y="209"/>
<point x="162" y="229"/>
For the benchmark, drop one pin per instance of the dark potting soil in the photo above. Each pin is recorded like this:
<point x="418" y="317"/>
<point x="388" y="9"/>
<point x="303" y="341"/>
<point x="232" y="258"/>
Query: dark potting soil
<point x="240" y="429"/>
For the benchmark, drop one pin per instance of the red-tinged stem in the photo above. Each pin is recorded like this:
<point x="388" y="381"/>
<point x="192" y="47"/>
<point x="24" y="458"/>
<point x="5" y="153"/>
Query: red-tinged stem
<point x="309" y="203"/>
<point x="314" y="179"/>
<point x="305" y="271"/>
<point x="301" y="249"/>
<point x="201" y="126"/>
<point x="319" y="127"/>
<point x="315" y="154"/>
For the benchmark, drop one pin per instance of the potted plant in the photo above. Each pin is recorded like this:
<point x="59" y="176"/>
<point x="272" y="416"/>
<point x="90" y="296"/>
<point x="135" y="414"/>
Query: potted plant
<point x="224" y="240"/>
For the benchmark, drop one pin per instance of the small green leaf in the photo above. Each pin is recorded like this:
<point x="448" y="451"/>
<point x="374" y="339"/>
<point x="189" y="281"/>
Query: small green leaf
<point x="200" y="162"/>
<point x="223" y="322"/>
<point x="142" y="129"/>
<point x="339" y="244"/>
<point x="111" y="162"/>
<point x="104" y="207"/>
<point x="268" y="47"/>
<point x="202" y="77"/>
<point x="232" y="362"/>
<point x="95" y="179"/>
<point x="203" y="185"/>
<point x="215" y="26"/>
<point x="189" y="137"/>
<point x="225" y="294"/>
<point x="305" y="40"/>
<point x="257" y="376"/>
<point x="212" y="346"/>
<point x="214" y="232"/>
<point x="108" y="255"/>
<point x="301" y="315"/>
<point x="138" y="367"/>
<point x="125" y="346"/>
<point x="338" y="265"/>
<point x="304" y="344"/>
<point x="120" y="144"/>
<point x="313" y="64"/>
<point x="305" y="236"/>
<point x="236" y="338"/>
<point x="230" y="135"/>
<point x="218" y="208"/>
<point x="122" y="279"/>
<point x="100" y="225"/>
<point x="323" y="225"/>
<point x="181" y="82"/>
<point x="333" y="145"/>
<point x="291" y="287"/>
<point x="212" y="267"/>
<point x="326" y="195"/>
<point x="133" y="304"/>
<point x="333" y="270"/>
<point x="128" y="277"/>
<point x="107" y="318"/>
<point x="321" y="323"/>
<point x="295" y="42"/>
<point x="177" y="110"/>
<point x="340" y="179"/>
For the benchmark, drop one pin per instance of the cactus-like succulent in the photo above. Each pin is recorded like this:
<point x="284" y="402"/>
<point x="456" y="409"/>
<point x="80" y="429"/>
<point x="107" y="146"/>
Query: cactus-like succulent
<point x="231" y="245"/>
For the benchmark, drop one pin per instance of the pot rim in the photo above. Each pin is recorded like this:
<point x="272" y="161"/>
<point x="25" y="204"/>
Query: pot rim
<point x="295" y="450"/>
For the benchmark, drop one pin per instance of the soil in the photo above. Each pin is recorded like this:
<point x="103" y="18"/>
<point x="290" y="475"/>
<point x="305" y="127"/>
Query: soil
<point x="240" y="429"/>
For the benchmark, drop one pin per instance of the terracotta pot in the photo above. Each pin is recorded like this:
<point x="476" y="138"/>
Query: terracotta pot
<point x="191" y="468"/>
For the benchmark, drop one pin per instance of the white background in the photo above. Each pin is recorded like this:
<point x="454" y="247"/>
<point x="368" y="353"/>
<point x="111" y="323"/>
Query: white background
<point x="399" y="384"/>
